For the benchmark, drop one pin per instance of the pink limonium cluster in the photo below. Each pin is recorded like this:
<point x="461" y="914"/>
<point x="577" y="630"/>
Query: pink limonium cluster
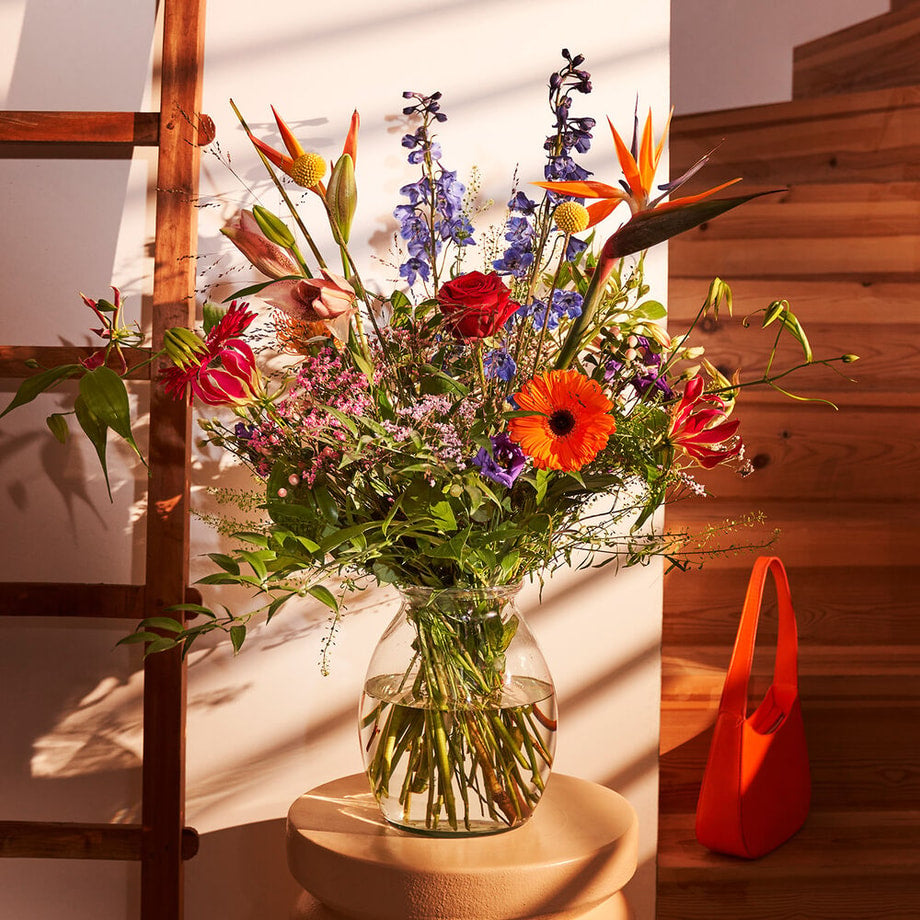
<point x="301" y="428"/>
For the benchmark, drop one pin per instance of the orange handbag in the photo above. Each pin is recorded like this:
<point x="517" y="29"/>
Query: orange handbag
<point x="757" y="787"/>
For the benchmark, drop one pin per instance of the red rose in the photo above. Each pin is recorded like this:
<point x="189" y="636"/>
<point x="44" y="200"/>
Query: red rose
<point x="476" y="305"/>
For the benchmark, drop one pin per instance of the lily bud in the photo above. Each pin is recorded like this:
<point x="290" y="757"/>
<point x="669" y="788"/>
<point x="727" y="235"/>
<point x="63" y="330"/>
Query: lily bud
<point x="273" y="227"/>
<point x="342" y="194"/>
<point x="253" y="240"/>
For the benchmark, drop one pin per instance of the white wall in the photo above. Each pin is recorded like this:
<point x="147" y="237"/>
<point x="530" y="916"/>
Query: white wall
<point x="728" y="53"/>
<point x="266" y="726"/>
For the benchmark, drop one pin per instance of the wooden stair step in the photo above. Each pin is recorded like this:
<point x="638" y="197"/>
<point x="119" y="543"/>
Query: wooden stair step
<point x="867" y="453"/>
<point x="873" y="54"/>
<point x="811" y="533"/>
<point x="844" y="300"/>
<point x="857" y="702"/>
<point x="790" y="216"/>
<point x="842" y="865"/>
<point x="835" y="605"/>
<point x="894" y="257"/>
<point x="869" y="137"/>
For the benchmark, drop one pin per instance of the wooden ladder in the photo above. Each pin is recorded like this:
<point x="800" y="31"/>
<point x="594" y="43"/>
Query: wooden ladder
<point x="161" y="841"/>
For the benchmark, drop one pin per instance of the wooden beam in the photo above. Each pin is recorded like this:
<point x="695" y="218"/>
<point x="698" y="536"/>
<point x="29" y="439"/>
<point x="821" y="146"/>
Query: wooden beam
<point x="58" y="840"/>
<point x="14" y="358"/>
<point x="163" y="784"/>
<point x="54" y="599"/>
<point x="135" y="129"/>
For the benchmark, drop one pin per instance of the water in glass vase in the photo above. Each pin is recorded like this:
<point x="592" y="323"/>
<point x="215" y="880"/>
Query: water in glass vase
<point x="473" y="768"/>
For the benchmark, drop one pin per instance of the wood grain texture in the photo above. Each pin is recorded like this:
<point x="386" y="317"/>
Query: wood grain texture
<point x="163" y="781"/>
<point x="54" y="599"/>
<point x="812" y="533"/>
<point x="871" y="137"/>
<point x="880" y="258"/>
<point x="13" y="359"/>
<point x="825" y="300"/>
<point x="840" y="866"/>
<point x="58" y="840"/>
<point x="811" y="450"/>
<point x="133" y="129"/>
<point x="834" y="605"/>
<point x="873" y="54"/>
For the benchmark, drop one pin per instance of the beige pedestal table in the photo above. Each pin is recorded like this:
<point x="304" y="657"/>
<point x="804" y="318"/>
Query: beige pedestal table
<point x="568" y="862"/>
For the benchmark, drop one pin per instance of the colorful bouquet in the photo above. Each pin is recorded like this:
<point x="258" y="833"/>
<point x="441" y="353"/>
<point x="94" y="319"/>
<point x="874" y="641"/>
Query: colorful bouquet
<point x="512" y="403"/>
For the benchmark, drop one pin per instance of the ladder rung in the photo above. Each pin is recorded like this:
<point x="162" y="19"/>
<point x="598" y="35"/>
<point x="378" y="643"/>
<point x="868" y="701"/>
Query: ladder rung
<point x="53" y="599"/>
<point x="138" y="129"/>
<point x="56" y="840"/>
<point x="13" y="359"/>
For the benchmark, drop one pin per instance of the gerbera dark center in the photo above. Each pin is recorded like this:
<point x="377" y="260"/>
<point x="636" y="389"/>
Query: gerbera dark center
<point x="561" y="422"/>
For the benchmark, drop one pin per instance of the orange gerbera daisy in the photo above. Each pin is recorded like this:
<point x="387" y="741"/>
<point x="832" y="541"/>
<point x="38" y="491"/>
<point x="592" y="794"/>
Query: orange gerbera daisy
<point x="570" y="425"/>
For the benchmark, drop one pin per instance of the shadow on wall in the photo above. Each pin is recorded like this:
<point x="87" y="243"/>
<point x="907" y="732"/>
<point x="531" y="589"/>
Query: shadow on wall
<point x="241" y="872"/>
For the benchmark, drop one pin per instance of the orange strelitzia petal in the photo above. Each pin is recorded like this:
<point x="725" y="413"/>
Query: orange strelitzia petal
<point x="274" y="156"/>
<point x="291" y="142"/>
<point x="647" y="162"/>
<point x="627" y="162"/>
<point x="691" y="199"/>
<point x="586" y="189"/>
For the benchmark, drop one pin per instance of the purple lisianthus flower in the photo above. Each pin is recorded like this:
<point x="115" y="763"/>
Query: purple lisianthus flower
<point x="503" y="464"/>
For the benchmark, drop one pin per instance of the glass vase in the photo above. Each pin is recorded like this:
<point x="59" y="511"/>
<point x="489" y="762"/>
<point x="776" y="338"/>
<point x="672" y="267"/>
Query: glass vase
<point x="458" y="715"/>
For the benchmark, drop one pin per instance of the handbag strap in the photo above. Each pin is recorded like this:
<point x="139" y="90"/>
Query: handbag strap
<point x="785" y="668"/>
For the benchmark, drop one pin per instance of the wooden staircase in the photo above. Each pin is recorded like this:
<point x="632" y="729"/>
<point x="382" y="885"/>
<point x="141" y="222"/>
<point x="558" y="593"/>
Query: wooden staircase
<point x="842" y="244"/>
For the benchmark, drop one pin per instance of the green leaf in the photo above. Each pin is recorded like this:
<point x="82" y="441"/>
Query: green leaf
<point x="256" y="563"/>
<point x="325" y="596"/>
<point x="443" y="514"/>
<point x="194" y="608"/>
<point x="135" y="637"/>
<point x="211" y="315"/>
<point x="792" y="324"/>
<point x="97" y="433"/>
<point x="227" y="563"/>
<point x="105" y="396"/>
<point x="58" y="425"/>
<point x="255" y="288"/>
<point x="651" y="310"/>
<point x="167" y="623"/>
<point x="160" y="644"/>
<point x="399" y="301"/>
<point x="38" y="383"/>
<point x="648" y="228"/>
<point x="237" y="637"/>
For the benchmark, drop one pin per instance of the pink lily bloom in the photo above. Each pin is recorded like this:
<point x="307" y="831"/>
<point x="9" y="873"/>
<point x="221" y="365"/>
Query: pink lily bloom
<point x="268" y="257"/>
<point x="329" y="300"/>
<point x="699" y="426"/>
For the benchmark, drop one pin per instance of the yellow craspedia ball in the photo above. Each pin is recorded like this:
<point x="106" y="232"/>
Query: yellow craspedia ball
<point x="308" y="170"/>
<point x="571" y="217"/>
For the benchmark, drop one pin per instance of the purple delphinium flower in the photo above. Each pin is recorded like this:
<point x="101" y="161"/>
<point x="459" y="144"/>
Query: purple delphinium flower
<point x="500" y="365"/>
<point x="565" y="304"/>
<point x="569" y="134"/>
<point x="503" y="463"/>
<point x="435" y="200"/>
